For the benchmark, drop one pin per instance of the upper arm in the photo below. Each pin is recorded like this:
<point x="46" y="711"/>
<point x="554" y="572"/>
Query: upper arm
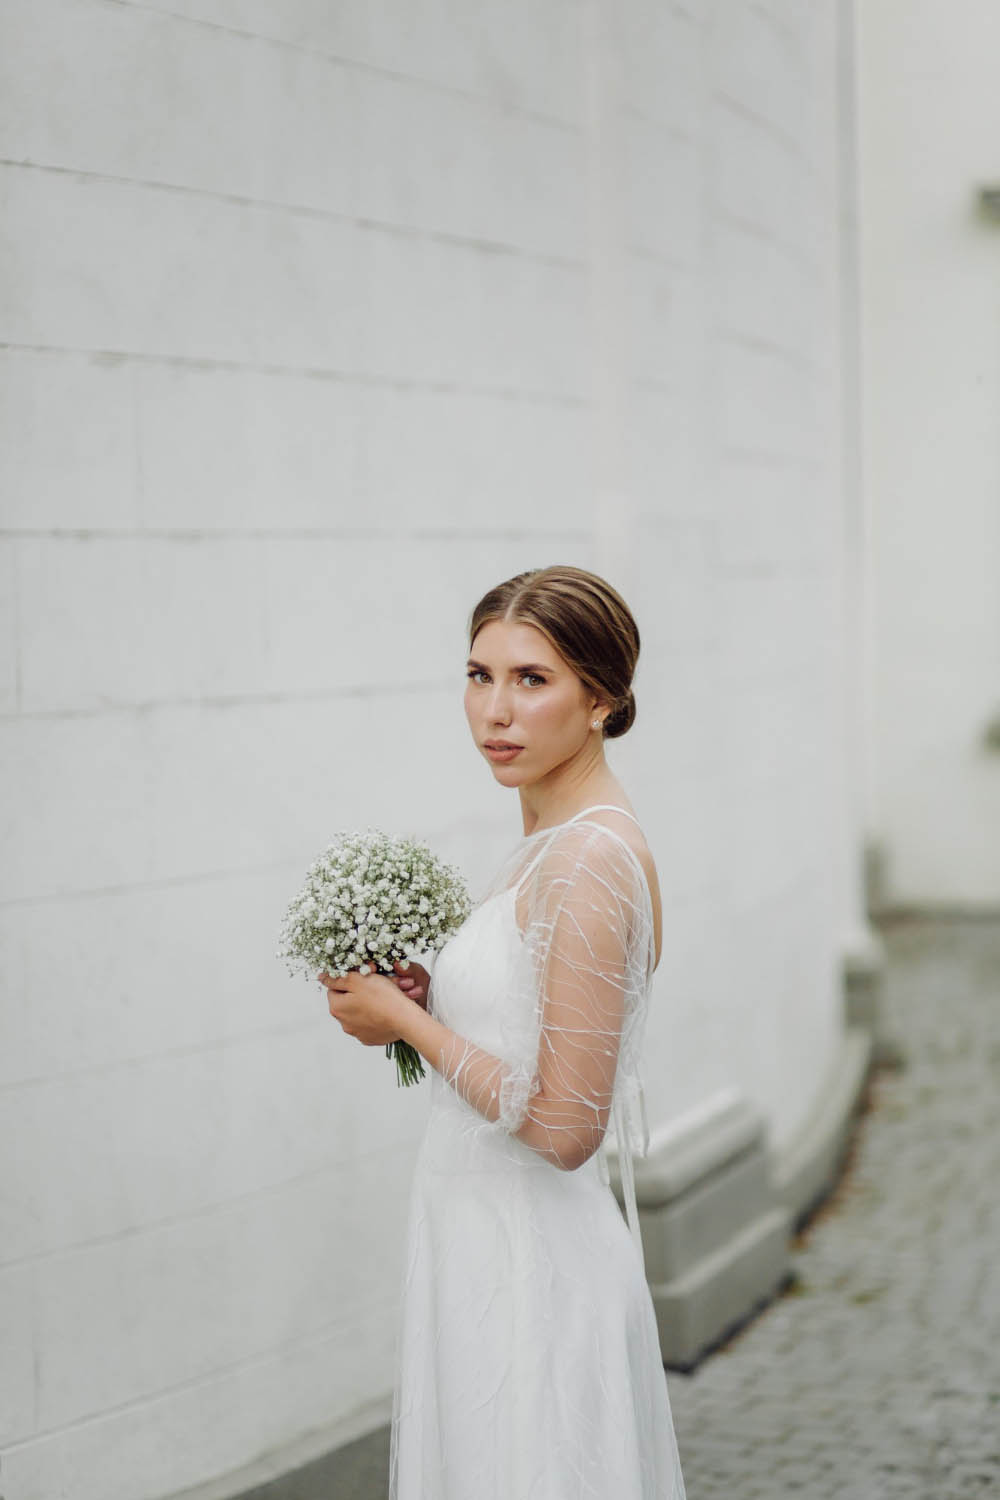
<point x="585" y="932"/>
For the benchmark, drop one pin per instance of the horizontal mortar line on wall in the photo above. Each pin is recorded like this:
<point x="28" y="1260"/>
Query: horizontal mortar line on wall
<point x="769" y="458"/>
<point x="771" y="347"/>
<point x="142" y="887"/>
<point x="766" y="126"/>
<point x="502" y="534"/>
<point x="765" y="233"/>
<point x="187" y="534"/>
<point x="157" y="883"/>
<point x="227" y="701"/>
<point x="666" y="128"/>
<point x="790" y="35"/>
<point x="661" y="258"/>
<point x="359" y="65"/>
<point x="190" y="1049"/>
<point x="785" y="569"/>
<point x="361" y="1314"/>
<point x="207" y="1211"/>
<point x="364" y="379"/>
<point x="691" y="13"/>
<point x="302" y="210"/>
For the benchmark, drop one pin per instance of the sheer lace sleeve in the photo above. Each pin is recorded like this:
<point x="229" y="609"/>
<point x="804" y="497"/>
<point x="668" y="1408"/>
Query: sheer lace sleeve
<point x="571" y="1033"/>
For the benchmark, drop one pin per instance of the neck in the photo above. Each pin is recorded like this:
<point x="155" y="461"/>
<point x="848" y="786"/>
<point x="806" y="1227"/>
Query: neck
<point x="547" y="808"/>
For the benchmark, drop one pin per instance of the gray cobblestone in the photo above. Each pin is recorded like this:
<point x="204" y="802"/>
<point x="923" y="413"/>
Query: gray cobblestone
<point x="877" y="1375"/>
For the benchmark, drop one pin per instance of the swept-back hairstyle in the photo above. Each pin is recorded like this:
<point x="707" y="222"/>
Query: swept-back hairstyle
<point x="586" y="620"/>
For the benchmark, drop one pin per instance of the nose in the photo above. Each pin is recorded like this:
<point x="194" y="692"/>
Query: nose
<point x="497" y="708"/>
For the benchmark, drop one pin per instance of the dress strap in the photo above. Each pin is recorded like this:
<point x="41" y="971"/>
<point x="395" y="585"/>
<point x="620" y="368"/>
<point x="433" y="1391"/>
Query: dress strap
<point x="603" y="807"/>
<point x="600" y="807"/>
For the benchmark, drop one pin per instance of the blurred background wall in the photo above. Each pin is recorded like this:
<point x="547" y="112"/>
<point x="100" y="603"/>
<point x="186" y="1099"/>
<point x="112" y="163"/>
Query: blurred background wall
<point x="317" y="320"/>
<point x="929" y="112"/>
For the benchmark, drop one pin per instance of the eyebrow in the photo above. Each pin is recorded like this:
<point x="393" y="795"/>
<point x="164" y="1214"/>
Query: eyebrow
<point x="531" y="666"/>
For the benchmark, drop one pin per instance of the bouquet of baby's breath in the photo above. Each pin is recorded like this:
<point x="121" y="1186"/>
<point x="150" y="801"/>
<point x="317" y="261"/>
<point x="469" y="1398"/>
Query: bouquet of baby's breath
<point x="368" y="900"/>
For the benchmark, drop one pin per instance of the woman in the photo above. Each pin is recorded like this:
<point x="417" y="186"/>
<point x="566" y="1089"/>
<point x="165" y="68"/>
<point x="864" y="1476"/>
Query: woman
<point x="528" y="1360"/>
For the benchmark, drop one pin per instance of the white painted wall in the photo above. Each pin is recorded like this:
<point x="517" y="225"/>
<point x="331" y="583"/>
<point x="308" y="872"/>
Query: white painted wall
<point x="929" y="107"/>
<point x="316" y="321"/>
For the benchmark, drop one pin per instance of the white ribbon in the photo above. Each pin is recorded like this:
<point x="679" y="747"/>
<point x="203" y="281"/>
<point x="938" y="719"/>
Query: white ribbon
<point x="630" y="1135"/>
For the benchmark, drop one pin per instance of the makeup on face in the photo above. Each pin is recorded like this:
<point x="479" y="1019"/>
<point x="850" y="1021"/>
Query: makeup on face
<point x="522" y="702"/>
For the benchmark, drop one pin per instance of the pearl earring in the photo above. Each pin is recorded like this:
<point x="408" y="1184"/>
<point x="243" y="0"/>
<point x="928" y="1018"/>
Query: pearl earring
<point x="596" y="724"/>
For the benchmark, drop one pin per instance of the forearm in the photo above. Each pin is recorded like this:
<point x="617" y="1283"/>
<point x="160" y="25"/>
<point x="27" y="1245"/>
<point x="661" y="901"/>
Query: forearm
<point x="549" y="1127"/>
<point x="474" y="1074"/>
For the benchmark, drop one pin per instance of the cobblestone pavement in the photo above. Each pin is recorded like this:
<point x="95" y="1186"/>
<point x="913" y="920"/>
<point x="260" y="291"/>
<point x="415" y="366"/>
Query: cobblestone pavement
<point x="877" y="1375"/>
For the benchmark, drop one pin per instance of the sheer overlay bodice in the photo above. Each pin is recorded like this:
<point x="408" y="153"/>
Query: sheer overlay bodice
<point x="528" y="1364"/>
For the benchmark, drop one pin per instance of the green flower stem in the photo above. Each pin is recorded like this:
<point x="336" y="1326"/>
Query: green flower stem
<point x="409" y="1063"/>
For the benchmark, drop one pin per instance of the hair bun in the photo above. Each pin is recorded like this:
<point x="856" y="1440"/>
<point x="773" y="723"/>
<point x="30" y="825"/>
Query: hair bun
<point x="621" y="719"/>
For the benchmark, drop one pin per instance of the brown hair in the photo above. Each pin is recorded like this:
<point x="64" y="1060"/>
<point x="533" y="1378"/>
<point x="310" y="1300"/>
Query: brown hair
<point x="586" y="620"/>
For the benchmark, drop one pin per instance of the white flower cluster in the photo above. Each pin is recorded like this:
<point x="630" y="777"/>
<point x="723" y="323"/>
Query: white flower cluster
<point x="368" y="900"/>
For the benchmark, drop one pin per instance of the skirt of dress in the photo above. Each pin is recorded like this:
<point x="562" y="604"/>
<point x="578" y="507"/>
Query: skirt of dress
<point x="528" y="1363"/>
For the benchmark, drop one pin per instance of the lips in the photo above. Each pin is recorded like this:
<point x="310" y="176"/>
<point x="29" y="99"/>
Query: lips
<point x="502" y="752"/>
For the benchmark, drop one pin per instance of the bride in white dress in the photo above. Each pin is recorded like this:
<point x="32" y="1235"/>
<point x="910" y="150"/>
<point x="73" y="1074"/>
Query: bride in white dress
<point x="528" y="1363"/>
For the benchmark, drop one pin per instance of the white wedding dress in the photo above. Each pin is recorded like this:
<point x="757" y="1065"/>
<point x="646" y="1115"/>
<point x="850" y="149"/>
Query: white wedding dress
<point x="528" y="1365"/>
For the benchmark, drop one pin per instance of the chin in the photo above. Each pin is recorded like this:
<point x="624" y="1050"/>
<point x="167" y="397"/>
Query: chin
<point x="508" y="776"/>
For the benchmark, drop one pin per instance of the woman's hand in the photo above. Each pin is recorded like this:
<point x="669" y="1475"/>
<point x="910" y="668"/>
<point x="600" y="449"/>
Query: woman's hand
<point x="368" y="1006"/>
<point x="414" y="982"/>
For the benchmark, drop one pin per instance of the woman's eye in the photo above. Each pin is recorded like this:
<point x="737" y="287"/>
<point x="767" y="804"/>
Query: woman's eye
<point x="475" y="672"/>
